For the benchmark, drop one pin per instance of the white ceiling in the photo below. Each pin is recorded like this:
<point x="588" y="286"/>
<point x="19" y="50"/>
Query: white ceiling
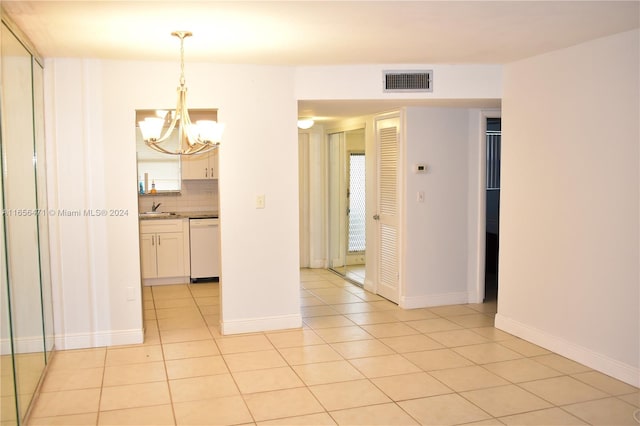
<point x="318" y="32"/>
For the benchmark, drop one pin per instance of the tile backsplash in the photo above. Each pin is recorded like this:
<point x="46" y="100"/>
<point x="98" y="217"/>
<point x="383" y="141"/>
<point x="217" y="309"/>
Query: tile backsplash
<point x="195" y="196"/>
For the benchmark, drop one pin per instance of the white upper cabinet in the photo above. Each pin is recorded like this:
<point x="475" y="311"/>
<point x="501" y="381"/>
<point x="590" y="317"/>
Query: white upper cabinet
<point x="204" y="166"/>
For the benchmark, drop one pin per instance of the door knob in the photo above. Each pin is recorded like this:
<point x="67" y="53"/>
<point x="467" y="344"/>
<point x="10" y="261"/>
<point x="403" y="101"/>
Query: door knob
<point x="376" y="217"/>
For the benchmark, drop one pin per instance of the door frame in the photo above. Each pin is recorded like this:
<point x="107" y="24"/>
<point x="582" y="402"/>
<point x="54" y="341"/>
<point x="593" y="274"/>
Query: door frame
<point x="303" y="194"/>
<point x="481" y="224"/>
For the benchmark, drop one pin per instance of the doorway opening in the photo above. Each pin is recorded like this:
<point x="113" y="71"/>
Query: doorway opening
<point x="493" y="151"/>
<point x="356" y="222"/>
<point x="347" y="220"/>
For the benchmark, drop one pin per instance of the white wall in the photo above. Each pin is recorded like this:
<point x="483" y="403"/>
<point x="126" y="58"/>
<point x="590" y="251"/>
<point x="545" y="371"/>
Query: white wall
<point x="365" y="82"/>
<point x="435" y="231"/>
<point x="260" y="248"/>
<point x="569" y="230"/>
<point x="90" y="108"/>
<point x="90" y="161"/>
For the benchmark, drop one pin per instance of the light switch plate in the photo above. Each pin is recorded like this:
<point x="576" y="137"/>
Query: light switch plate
<point x="260" y="201"/>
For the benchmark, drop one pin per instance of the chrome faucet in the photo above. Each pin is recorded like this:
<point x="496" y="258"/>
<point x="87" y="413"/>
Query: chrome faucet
<point x="155" y="206"/>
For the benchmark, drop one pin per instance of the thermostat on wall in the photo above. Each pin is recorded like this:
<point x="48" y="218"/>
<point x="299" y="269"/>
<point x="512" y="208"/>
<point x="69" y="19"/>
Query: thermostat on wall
<point x="420" y="168"/>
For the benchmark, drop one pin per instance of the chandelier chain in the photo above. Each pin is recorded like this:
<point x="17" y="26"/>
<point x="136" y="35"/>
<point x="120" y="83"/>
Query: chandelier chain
<point x="182" y="79"/>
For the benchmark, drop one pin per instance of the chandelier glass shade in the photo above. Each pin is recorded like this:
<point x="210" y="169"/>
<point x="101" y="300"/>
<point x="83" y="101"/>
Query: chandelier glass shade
<point x="194" y="138"/>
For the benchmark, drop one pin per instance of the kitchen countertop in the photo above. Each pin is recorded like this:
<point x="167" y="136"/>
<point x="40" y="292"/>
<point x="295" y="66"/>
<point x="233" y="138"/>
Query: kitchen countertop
<point x="181" y="215"/>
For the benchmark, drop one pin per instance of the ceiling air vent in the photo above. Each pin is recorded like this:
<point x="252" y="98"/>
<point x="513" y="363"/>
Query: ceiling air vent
<point x="408" y="81"/>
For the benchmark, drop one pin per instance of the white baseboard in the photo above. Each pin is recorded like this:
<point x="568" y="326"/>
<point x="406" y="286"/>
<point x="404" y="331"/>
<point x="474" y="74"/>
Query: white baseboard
<point x="429" y="300"/>
<point x="99" y="339"/>
<point x="318" y="264"/>
<point x="252" y="325"/>
<point x="166" y="281"/>
<point x="609" y="366"/>
<point x="472" y="297"/>
<point x="22" y="345"/>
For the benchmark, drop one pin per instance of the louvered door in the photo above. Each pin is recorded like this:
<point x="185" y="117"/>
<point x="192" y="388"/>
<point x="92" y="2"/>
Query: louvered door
<point x="387" y="131"/>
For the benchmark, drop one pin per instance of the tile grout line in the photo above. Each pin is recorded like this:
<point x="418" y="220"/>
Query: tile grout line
<point x="224" y="360"/>
<point x="104" y="372"/>
<point x="164" y="361"/>
<point x="369" y="379"/>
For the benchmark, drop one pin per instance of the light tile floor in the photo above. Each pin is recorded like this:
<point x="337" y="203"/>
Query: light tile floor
<point x="353" y="273"/>
<point x="358" y="360"/>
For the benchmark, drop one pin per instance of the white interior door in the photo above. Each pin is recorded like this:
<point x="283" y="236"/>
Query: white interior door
<point x="388" y="148"/>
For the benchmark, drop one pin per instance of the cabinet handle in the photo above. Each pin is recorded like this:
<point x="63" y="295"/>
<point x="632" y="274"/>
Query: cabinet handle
<point x="158" y="239"/>
<point x="206" y="172"/>
<point x="212" y="172"/>
<point x="153" y="240"/>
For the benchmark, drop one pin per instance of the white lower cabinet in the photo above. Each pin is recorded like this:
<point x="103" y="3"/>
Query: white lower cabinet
<point x="164" y="253"/>
<point x="148" y="257"/>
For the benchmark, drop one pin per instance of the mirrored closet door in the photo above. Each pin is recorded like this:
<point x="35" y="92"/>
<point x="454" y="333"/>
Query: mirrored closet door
<point x="27" y="319"/>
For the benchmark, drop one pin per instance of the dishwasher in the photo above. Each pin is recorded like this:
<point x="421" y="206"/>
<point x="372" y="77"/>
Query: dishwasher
<point x="204" y="248"/>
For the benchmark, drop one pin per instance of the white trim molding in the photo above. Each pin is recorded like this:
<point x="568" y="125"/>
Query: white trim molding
<point x="609" y="366"/>
<point x="147" y="282"/>
<point x="318" y="264"/>
<point x="99" y="339"/>
<point x="252" y="325"/>
<point x="22" y="345"/>
<point x="429" y="300"/>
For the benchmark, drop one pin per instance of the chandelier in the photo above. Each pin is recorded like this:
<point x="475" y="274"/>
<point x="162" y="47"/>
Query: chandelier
<point x="193" y="138"/>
